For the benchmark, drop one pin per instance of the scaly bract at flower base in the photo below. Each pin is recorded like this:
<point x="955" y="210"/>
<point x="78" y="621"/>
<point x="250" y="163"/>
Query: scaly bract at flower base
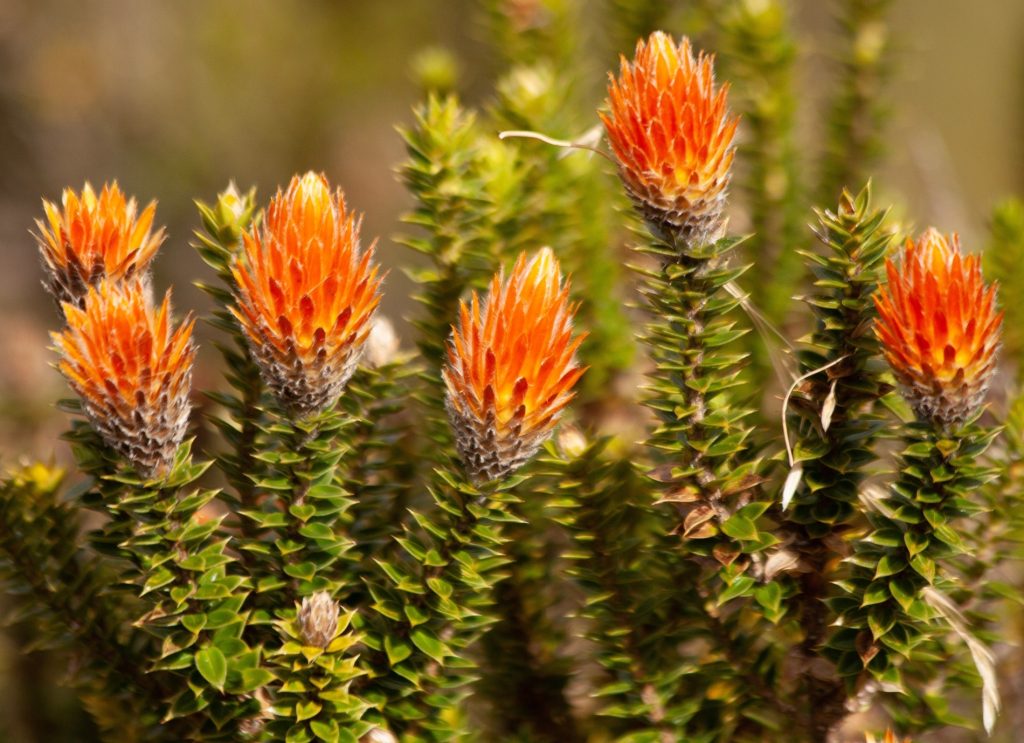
<point x="511" y="367"/>
<point x="306" y="293"/>
<point x="671" y="132"/>
<point x="939" y="328"/>
<point x="132" y="370"/>
<point x="92" y="238"/>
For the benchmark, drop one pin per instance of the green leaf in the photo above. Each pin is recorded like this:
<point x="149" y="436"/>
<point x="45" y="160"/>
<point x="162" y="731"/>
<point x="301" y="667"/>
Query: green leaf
<point x="740" y="587"/>
<point x="740" y="527"/>
<point x="325" y="730"/>
<point x="252" y="679"/>
<point x="213" y="666"/>
<point x="429" y="644"/>
<point x="890" y="565"/>
<point x="306" y="709"/>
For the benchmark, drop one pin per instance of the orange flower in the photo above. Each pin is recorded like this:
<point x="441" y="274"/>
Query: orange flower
<point x="94" y="238"/>
<point x="511" y="367"/>
<point x="939" y="328"/>
<point x="672" y="134"/>
<point x="306" y="294"/>
<point x="132" y="371"/>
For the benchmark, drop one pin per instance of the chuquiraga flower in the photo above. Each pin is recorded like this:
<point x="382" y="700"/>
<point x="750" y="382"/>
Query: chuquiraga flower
<point x="939" y="328"/>
<point x="511" y="367"/>
<point x="132" y="370"/>
<point x="94" y="238"/>
<point x="671" y="132"/>
<point x="306" y="294"/>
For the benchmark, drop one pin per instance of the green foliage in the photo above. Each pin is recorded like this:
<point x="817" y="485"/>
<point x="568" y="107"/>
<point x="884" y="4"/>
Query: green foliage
<point x="702" y="437"/>
<point x="442" y="174"/>
<point x="759" y="55"/>
<point x="67" y="597"/>
<point x="1002" y="261"/>
<point x="889" y="622"/>
<point x="857" y="109"/>
<point x="836" y="421"/>
<point x="430" y="602"/>
<point x="609" y="591"/>
<point x="315" y="702"/>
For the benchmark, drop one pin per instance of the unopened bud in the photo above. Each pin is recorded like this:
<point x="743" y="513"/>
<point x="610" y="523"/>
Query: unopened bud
<point x="318" y="619"/>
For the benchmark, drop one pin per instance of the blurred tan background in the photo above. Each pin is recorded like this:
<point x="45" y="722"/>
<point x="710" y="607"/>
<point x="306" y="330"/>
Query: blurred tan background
<point x="173" y="99"/>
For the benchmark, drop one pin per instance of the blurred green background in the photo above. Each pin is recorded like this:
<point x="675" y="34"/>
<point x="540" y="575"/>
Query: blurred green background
<point x="173" y="99"/>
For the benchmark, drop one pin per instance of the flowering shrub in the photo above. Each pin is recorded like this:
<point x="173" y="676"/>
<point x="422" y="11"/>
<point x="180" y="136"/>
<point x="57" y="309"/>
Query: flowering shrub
<point x="367" y="544"/>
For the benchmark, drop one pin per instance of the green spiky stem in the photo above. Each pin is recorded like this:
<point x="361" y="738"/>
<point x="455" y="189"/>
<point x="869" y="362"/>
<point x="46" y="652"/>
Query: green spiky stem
<point x="180" y="569"/>
<point x="885" y="615"/>
<point x="702" y="437"/>
<point x="302" y="542"/>
<point x="826" y="504"/>
<point x="621" y="550"/>
<point x="314" y="699"/>
<point x="759" y="57"/>
<point x="433" y="604"/>
<point x="224" y="222"/>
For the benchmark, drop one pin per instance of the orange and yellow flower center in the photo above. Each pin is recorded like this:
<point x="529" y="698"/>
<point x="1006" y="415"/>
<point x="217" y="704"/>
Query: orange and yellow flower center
<point x="939" y="327"/>
<point x="671" y="133"/>
<point x="511" y="364"/>
<point x="131" y="369"/>
<point x="306" y="293"/>
<point x="95" y="237"/>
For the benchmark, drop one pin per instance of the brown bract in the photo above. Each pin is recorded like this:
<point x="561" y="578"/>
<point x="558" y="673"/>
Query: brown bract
<point x="671" y="132"/>
<point x="306" y="294"/>
<point x="939" y="328"/>
<point x="511" y="367"/>
<point x="90" y="238"/>
<point x="132" y="370"/>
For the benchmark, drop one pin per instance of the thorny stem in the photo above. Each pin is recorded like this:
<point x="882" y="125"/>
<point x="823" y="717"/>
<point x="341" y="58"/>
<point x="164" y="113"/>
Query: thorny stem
<point x="246" y="449"/>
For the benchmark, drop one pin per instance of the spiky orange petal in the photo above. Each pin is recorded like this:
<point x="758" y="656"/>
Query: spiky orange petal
<point x="94" y="238"/>
<point x="939" y="328"/>
<point x="306" y="294"/>
<point x="671" y="132"/>
<point x="132" y="370"/>
<point x="511" y="367"/>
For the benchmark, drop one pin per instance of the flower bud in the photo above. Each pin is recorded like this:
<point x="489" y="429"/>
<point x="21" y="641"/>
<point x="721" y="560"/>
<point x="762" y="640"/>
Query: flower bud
<point x="318" y="619"/>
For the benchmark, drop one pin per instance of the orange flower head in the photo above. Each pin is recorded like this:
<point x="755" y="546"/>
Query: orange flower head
<point x="306" y="294"/>
<point x="94" y="238"/>
<point x="939" y="328"/>
<point x="671" y="132"/>
<point x="511" y="367"/>
<point x="132" y="370"/>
